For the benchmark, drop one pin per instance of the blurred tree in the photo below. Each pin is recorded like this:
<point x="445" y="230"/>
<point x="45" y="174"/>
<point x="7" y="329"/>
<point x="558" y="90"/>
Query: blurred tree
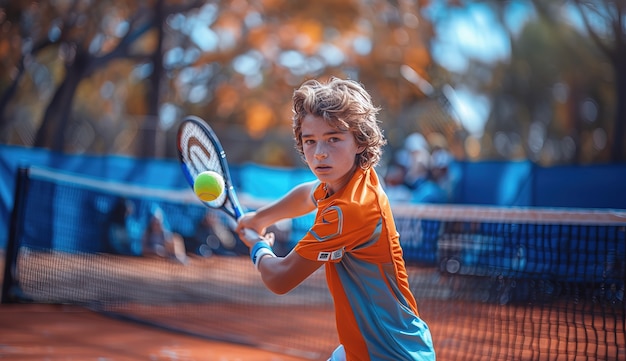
<point x="80" y="39"/>
<point x="605" y="22"/>
<point x="555" y="98"/>
<point x="544" y="107"/>
<point x="116" y="76"/>
<point x="94" y="77"/>
<point x="245" y="68"/>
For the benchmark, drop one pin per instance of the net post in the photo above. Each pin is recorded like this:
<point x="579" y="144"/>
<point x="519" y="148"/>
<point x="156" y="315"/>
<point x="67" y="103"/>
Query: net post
<point x="9" y="282"/>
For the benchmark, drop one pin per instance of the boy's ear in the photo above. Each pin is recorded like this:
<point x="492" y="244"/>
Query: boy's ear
<point x="360" y="149"/>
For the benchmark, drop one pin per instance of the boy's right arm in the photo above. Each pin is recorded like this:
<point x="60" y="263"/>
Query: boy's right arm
<point x="297" y="202"/>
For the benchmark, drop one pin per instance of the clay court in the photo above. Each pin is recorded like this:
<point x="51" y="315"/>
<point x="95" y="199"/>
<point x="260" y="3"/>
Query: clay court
<point x="174" y="329"/>
<point x="71" y="332"/>
<point x="220" y="311"/>
<point x="64" y="332"/>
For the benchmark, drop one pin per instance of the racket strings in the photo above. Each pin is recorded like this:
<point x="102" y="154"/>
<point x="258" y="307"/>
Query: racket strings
<point x="199" y="154"/>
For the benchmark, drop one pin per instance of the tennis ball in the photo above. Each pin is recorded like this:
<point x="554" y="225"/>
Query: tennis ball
<point x="208" y="185"/>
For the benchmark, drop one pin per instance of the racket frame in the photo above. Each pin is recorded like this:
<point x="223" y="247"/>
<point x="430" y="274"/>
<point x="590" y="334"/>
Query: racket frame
<point x="231" y="196"/>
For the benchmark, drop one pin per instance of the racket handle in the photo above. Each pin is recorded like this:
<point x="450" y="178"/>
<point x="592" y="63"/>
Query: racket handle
<point x="251" y="235"/>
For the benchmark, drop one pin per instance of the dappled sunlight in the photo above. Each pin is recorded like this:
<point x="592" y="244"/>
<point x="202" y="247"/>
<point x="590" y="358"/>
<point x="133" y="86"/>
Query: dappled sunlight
<point x="508" y="75"/>
<point x="259" y="118"/>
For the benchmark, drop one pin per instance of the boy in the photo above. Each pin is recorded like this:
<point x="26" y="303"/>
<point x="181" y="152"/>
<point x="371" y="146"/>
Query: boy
<point x="354" y="236"/>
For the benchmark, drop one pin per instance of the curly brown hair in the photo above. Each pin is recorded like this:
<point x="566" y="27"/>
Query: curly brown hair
<point x="346" y="106"/>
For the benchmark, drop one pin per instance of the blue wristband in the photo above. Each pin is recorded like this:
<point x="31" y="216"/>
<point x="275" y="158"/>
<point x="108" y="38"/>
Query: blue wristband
<point x="257" y="246"/>
<point x="259" y="250"/>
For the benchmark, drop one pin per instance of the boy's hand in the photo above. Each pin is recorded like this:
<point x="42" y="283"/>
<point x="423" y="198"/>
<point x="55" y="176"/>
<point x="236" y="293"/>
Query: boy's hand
<point x="250" y="237"/>
<point x="249" y="231"/>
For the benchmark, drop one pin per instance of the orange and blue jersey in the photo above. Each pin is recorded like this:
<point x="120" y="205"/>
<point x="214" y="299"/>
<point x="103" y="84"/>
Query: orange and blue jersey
<point x="355" y="234"/>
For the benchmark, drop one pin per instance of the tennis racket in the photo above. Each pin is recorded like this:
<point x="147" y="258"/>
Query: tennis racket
<point x="200" y="150"/>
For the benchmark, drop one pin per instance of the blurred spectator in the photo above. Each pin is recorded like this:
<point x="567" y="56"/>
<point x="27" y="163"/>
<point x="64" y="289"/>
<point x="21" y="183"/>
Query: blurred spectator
<point x="393" y="182"/>
<point x="159" y="240"/>
<point x="440" y="171"/>
<point x="417" y="159"/>
<point x="441" y="157"/>
<point x="118" y="235"/>
<point x="418" y="177"/>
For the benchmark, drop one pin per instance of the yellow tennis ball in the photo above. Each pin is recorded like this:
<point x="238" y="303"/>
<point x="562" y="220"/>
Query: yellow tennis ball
<point x="208" y="185"/>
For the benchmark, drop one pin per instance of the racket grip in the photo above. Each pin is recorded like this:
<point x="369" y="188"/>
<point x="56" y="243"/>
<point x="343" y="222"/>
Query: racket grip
<point x="251" y="234"/>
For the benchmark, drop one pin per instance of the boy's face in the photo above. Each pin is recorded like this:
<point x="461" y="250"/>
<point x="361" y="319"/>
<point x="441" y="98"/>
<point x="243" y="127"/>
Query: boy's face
<point x="329" y="153"/>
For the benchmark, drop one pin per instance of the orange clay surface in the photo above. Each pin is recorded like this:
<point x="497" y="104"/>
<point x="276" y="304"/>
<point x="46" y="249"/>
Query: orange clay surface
<point x="60" y="332"/>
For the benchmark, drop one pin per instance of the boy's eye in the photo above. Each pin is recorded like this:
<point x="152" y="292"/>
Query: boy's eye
<point x="308" y="141"/>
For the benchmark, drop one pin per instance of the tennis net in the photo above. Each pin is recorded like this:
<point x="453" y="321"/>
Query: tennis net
<point x="492" y="283"/>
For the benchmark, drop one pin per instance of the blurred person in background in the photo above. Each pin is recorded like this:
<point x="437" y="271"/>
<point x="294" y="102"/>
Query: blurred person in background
<point x="440" y="172"/>
<point x="159" y="240"/>
<point x="418" y="177"/>
<point x="393" y="182"/>
<point x="118" y="236"/>
<point x="441" y="158"/>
